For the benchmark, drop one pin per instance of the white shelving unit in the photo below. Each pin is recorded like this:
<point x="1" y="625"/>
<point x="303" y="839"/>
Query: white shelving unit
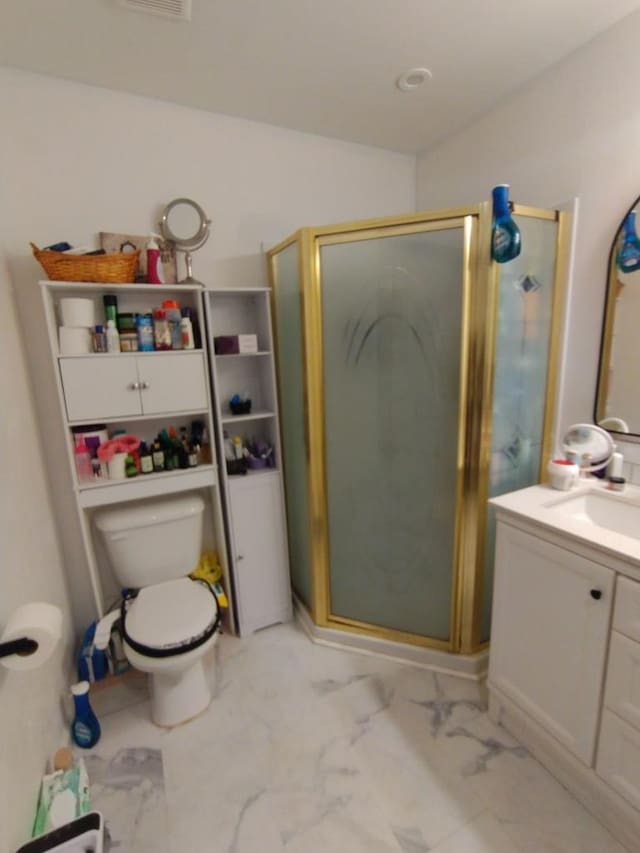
<point x="141" y="393"/>
<point x="253" y="502"/>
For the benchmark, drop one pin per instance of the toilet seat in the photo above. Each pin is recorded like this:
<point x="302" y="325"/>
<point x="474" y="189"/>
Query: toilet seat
<point x="170" y="618"/>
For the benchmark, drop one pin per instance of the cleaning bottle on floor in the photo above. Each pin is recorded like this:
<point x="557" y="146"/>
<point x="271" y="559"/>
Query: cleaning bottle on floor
<point x="505" y="237"/>
<point x="85" y="728"/>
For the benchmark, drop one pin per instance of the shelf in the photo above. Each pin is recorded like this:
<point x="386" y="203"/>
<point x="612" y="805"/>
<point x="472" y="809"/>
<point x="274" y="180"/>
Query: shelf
<point x="155" y="416"/>
<point x="258" y="414"/>
<point x="243" y="354"/>
<point x="145" y="486"/>
<point x="253" y="472"/>
<point x="113" y="287"/>
<point x="136" y="353"/>
<point x="237" y="291"/>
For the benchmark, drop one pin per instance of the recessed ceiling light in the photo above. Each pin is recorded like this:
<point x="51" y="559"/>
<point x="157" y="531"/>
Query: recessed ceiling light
<point x="413" y="78"/>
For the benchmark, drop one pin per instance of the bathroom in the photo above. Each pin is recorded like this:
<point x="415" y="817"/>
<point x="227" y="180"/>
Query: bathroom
<point x="568" y="133"/>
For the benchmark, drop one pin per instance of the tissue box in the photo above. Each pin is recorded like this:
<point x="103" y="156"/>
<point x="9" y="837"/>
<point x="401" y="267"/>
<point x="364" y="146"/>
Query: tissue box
<point x="234" y="344"/>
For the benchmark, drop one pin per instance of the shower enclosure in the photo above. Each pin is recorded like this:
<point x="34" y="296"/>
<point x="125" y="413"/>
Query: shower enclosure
<point x="417" y="378"/>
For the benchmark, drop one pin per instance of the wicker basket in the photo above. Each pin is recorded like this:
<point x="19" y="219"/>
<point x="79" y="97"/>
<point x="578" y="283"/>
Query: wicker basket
<point x="117" y="268"/>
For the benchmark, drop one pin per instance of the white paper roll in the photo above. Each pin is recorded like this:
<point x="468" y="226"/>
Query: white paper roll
<point x="74" y="341"/>
<point x="37" y="621"/>
<point x="76" y="311"/>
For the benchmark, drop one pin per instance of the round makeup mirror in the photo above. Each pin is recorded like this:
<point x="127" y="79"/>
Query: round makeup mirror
<point x="186" y="224"/>
<point x="589" y="440"/>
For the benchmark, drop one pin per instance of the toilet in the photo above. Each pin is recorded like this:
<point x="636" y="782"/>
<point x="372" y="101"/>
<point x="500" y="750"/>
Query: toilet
<point x="169" y="621"/>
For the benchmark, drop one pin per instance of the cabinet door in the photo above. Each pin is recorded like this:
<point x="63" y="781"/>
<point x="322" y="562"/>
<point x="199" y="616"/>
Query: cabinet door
<point x="261" y="564"/>
<point x="551" y="614"/>
<point x="172" y="382"/>
<point x="622" y="693"/>
<point x="619" y="757"/>
<point x="97" y="387"/>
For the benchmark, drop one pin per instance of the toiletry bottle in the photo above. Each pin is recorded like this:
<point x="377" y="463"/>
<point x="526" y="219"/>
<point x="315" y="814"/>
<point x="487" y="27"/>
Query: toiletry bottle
<point x="628" y="257"/>
<point x="144" y="325"/>
<point x="192" y="315"/>
<point x="161" y="330"/>
<point x="85" y="728"/>
<point x="186" y="333"/>
<point x="172" y="311"/>
<point x="82" y="457"/>
<point x="110" y="303"/>
<point x="158" y="457"/>
<point x="154" y="262"/>
<point x="99" y="340"/>
<point x="146" y="459"/>
<point x="113" y="338"/>
<point x="505" y="236"/>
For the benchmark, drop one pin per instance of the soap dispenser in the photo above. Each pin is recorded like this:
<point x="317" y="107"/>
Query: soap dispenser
<point x="154" y="262"/>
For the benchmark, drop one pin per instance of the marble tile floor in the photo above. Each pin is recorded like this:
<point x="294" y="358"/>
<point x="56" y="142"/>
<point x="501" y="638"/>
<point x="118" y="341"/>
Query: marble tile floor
<point x="307" y="749"/>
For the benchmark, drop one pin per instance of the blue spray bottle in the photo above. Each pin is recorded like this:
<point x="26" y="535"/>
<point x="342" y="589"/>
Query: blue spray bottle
<point x="505" y="237"/>
<point x="85" y="728"/>
<point x="628" y="257"/>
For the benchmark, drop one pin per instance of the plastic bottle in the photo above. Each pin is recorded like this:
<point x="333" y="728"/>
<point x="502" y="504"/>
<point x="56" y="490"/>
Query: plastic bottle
<point x="146" y="460"/>
<point x="113" y="337"/>
<point x="85" y="728"/>
<point x="144" y="325"/>
<point x="110" y="303"/>
<point x="628" y="257"/>
<point x="82" y="457"/>
<point x="161" y="330"/>
<point x="99" y="340"/>
<point x="154" y="263"/>
<point x="192" y="315"/>
<point x="186" y="333"/>
<point x="505" y="238"/>
<point x="173" y="315"/>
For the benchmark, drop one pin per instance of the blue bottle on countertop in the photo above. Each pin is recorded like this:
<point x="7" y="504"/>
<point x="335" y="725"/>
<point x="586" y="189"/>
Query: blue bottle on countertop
<point x="628" y="258"/>
<point x="85" y="728"/>
<point x="506" y="242"/>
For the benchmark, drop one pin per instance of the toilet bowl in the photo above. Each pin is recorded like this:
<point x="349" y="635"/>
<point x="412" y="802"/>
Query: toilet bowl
<point x="168" y="620"/>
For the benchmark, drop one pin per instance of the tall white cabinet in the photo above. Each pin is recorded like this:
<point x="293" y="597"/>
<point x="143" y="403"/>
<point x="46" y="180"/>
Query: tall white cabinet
<point x="253" y="502"/>
<point x="139" y="393"/>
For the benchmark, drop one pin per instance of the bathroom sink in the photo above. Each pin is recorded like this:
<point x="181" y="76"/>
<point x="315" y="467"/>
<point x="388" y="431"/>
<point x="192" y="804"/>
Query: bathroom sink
<point x="610" y="512"/>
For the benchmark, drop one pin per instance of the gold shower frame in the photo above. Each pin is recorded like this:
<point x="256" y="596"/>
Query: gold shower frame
<point x="479" y="314"/>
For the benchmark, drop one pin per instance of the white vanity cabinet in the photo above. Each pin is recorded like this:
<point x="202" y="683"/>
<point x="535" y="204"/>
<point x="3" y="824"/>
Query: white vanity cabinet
<point x="107" y="385"/>
<point x="549" y="635"/>
<point x="564" y="666"/>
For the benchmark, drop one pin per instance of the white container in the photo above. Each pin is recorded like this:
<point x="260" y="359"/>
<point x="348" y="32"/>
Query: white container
<point x="153" y="542"/>
<point x="74" y="341"/>
<point x="117" y="466"/>
<point x="77" y="312"/>
<point x="563" y="475"/>
<point x="247" y="343"/>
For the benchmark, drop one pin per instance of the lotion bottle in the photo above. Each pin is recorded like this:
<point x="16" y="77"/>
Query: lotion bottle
<point x="154" y="263"/>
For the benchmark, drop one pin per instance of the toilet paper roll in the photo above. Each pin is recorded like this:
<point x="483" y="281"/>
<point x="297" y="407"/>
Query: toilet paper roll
<point x="76" y="311"/>
<point x="74" y="341"/>
<point x="37" y="621"/>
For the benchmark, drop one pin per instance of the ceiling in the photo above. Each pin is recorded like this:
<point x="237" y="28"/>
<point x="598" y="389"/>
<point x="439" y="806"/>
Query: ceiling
<point x="321" y="66"/>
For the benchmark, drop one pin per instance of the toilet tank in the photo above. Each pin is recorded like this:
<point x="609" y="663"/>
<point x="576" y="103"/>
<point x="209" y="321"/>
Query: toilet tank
<point x="153" y="541"/>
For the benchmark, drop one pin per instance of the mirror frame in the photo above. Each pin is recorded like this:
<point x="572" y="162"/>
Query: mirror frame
<point x="201" y="235"/>
<point x="606" y="335"/>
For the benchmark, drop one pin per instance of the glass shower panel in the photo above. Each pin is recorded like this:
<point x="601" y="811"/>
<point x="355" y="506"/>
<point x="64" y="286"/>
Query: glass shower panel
<point x="288" y="321"/>
<point x="520" y="376"/>
<point x="392" y="324"/>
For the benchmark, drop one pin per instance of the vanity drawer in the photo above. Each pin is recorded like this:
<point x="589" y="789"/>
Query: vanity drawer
<point x="626" y="614"/>
<point x="622" y="693"/>
<point x="619" y="757"/>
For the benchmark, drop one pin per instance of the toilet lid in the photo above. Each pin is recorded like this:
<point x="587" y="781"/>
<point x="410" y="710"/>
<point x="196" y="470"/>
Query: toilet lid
<point x="171" y="617"/>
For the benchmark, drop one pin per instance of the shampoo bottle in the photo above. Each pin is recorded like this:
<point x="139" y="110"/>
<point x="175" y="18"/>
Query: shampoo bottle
<point x="154" y="263"/>
<point x="628" y="257"/>
<point x="505" y="236"/>
<point x="85" y="728"/>
<point x="113" y="337"/>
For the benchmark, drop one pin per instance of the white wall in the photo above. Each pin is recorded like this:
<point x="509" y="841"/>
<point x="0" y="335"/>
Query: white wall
<point x="574" y="131"/>
<point x="75" y="160"/>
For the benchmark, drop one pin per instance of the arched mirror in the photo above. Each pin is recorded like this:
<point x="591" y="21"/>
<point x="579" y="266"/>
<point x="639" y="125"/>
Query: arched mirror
<point x="618" y="394"/>
<point x="186" y="224"/>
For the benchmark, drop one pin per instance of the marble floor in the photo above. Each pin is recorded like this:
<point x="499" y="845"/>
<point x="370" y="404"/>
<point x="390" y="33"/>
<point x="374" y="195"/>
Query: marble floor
<point x="307" y="749"/>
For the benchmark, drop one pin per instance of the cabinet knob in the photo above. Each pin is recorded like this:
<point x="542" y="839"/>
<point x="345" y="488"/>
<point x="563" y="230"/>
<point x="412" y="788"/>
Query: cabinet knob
<point x="135" y="386"/>
<point x="144" y="385"/>
<point x="596" y="594"/>
<point x="240" y="557"/>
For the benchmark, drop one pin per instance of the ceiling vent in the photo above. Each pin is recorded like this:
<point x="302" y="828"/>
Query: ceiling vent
<point x="176" y="10"/>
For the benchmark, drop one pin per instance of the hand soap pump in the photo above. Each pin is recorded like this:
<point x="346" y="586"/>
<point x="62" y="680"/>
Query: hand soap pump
<point x="154" y="263"/>
<point x="505" y="237"/>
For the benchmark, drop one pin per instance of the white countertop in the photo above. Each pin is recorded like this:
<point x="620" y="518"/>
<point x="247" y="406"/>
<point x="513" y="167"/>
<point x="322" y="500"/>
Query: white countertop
<point x="538" y="504"/>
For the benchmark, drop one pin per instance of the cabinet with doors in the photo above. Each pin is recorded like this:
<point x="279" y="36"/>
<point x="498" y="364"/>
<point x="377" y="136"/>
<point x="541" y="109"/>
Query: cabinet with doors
<point x="564" y="670"/>
<point x="253" y="499"/>
<point x="139" y="393"/>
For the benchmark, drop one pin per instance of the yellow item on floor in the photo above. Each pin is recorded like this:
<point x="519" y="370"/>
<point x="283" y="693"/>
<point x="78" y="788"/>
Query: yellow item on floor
<point x="210" y="571"/>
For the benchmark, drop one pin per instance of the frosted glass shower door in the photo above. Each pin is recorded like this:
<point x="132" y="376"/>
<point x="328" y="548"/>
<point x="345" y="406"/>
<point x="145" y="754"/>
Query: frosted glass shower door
<point x="392" y="318"/>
